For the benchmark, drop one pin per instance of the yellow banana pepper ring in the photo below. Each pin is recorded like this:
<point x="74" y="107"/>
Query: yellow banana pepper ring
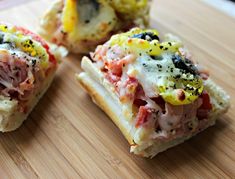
<point x="153" y="47"/>
<point x="69" y="16"/>
<point x="180" y="96"/>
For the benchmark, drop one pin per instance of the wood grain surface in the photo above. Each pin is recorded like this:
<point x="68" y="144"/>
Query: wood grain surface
<point x="67" y="136"/>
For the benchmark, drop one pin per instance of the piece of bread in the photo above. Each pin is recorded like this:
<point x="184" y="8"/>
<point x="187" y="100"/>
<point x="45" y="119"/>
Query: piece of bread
<point x="10" y="117"/>
<point x="81" y="26"/>
<point x="103" y="93"/>
<point x="92" y="81"/>
<point x="27" y="68"/>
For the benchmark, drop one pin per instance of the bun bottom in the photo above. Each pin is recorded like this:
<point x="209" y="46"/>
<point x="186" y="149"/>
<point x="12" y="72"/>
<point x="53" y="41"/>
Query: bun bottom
<point x="10" y="116"/>
<point x="101" y="96"/>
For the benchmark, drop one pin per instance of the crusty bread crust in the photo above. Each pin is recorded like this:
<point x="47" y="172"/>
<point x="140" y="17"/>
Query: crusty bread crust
<point x="49" y="23"/>
<point x="101" y="97"/>
<point x="91" y="81"/>
<point x="10" y="117"/>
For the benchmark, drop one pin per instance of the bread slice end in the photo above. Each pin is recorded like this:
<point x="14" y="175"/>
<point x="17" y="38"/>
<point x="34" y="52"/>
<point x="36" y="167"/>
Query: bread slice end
<point x="10" y="116"/>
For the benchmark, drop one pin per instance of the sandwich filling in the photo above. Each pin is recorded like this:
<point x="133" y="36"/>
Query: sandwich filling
<point x="92" y="22"/>
<point x="157" y="81"/>
<point x="25" y="62"/>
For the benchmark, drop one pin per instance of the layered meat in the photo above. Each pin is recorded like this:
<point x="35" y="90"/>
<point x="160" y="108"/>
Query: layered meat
<point x="25" y="62"/>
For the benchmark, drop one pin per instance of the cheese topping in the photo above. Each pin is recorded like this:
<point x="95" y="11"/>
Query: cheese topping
<point x="156" y="82"/>
<point x="160" y="67"/>
<point x="79" y="22"/>
<point x="25" y="62"/>
<point x="14" y="40"/>
<point x="140" y="41"/>
<point x="161" y="77"/>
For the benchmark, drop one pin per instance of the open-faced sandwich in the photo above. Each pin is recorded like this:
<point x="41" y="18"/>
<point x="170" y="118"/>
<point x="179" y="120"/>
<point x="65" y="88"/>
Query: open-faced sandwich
<point x="152" y="90"/>
<point x="80" y="25"/>
<point x="27" y="68"/>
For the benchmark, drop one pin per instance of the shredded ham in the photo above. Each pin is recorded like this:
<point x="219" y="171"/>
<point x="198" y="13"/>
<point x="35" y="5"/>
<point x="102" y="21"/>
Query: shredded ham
<point x="19" y="72"/>
<point x="15" y="76"/>
<point x="171" y="118"/>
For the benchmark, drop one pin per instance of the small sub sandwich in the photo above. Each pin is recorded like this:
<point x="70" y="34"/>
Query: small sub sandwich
<point x="27" y="68"/>
<point x="152" y="90"/>
<point x="81" y="25"/>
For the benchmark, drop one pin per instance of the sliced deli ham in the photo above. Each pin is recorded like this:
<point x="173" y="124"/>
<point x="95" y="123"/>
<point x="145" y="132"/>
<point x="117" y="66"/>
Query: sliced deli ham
<point x="27" y="67"/>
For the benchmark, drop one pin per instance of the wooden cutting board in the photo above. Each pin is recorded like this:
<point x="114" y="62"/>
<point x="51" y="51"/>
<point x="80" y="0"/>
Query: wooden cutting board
<point x="67" y="136"/>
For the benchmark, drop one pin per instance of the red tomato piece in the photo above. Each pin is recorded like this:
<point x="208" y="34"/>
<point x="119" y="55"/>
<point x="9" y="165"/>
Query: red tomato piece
<point x="206" y="104"/>
<point x="142" y="116"/>
<point x="131" y="83"/>
<point x="40" y="40"/>
<point x="203" y="110"/>
<point x="128" y="88"/>
<point x="115" y="66"/>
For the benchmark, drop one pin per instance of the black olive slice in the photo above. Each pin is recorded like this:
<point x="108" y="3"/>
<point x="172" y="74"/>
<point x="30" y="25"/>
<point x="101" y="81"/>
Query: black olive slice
<point x="149" y="36"/>
<point x="88" y="9"/>
<point x="1" y="38"/>
<point x="185" y="65"/>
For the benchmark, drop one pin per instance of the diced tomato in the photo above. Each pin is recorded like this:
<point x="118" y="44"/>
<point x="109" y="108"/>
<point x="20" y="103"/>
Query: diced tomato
<point x="115" y="66"/>
<point x="206" y="104"/>
<point x="142" y="116"/>
<point x="126" y="89"/>
<point x="52" y="58"/>
<point x="203" y="110"/>
<point x="130" y="86"/>
<point x="131" y="82"/>
<point x="40" y="40"/>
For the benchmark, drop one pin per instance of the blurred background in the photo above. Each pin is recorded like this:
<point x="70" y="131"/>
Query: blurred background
<point x="227" y="6"/>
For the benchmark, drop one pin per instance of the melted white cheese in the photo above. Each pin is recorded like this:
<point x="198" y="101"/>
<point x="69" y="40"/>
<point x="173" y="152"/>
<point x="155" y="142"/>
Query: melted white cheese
<point x="153" y="73"/>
